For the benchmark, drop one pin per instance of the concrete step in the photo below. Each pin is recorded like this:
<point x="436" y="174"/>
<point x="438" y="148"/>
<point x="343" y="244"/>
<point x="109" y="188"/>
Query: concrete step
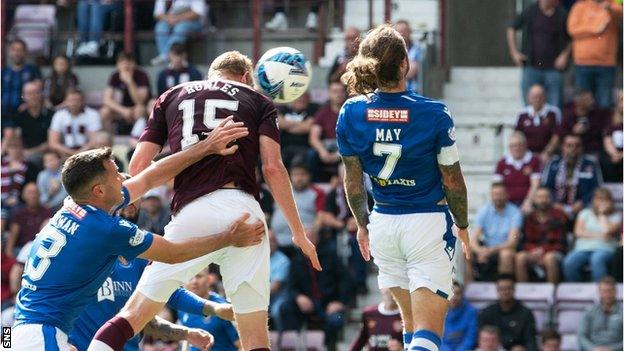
<point x="480" y="120"/>
<point x="508" y="92"/>
<point x="492" y="75"/>
<point x="503" y="109"/>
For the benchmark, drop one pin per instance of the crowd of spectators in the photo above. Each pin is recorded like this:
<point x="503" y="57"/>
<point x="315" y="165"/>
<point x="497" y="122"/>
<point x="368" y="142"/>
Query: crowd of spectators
<point x="549" y="219"/>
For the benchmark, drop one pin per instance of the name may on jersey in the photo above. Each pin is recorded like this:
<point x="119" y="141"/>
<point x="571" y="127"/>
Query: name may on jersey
<point x="385" y="135"/>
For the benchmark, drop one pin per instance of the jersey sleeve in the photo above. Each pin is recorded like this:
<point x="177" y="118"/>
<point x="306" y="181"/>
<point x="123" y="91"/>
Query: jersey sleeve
<point x="268" y="120"/>
<point x="156" y="128"/>
<point x="186" y="301"/>
<point x="342" y="136"/>
<point x="56" y="124"/>
<point x="128" y="240"/>
<point x="445" y="130"/>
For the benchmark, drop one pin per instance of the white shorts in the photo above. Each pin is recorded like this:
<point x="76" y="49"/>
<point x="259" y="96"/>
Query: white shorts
<point x="245" y="270"/>
<point x="38" y="337"/>
<point x="413" y="250"/>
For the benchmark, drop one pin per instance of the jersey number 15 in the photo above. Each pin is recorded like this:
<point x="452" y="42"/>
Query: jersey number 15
<point x="210" y="117"/>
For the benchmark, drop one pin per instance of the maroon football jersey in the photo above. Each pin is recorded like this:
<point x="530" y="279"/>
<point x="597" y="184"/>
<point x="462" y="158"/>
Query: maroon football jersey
<point x="185" y="113"/>
<point x="517" y="175"/>
<point x="378" y="329"/>
<point x="539" y="127"/>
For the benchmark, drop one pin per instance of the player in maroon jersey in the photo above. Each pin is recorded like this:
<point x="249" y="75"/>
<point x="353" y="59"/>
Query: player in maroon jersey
<point x="210" y="195"/>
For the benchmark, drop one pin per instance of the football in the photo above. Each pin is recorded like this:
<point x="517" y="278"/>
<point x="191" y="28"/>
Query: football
<point x="283" y="74"/>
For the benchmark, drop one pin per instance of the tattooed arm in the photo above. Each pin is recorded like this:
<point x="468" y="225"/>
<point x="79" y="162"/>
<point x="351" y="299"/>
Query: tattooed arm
<point x="358" y="200"/>
<point x="457" y="199"/>
<point x="160" y="328"/>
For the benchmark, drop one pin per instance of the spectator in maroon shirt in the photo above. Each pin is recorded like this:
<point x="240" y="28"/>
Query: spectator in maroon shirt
<point x="26" y="221"/>
<point x="585" y="119"/>
<point x="519" y="171"/>
<point x="381" y="327"/>
<point x="126" y="95"/>
<point x="613" y="140"/>
<point x="323" y="133"/>
<point x="540" y="122"/>
<point x="13" y="176"/>
<point x="544" y="240"/>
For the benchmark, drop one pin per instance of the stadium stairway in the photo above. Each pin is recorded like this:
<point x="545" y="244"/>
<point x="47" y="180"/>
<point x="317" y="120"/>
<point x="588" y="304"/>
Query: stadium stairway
<point x="484" y="102"/>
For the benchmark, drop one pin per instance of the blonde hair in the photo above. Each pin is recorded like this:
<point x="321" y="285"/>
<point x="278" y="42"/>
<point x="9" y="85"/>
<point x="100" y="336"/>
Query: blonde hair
<point x="378" y="62"/>
<point x="232" y="63"/>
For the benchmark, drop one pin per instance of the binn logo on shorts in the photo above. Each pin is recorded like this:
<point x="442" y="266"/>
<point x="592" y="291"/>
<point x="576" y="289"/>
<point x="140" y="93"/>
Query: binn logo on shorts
<point x="387" y="115"/>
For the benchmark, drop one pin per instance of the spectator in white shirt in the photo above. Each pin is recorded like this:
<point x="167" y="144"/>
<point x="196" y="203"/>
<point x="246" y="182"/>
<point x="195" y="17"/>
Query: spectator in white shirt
<point x="72" y="128"/>
<point x="175" y="23"/>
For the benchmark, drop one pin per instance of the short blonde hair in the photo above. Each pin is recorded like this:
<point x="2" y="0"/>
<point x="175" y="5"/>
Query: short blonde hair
<point x="231" y="62"/>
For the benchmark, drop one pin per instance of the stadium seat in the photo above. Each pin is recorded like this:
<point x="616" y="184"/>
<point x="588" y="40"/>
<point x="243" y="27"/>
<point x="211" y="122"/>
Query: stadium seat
<point x="310" y="340"/>
<point x="568" y="321"/>
<point x="576" y="296"/>
<point x="480" y="294"/>
<point x="569" y="342"/>
<point x="539" y="297"/>
<point x="34" y="24"/>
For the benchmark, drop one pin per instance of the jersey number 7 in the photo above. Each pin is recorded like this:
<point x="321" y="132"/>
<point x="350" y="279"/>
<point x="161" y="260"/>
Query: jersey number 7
<point x="392" y="153"/>
<point x="210" y="117"/>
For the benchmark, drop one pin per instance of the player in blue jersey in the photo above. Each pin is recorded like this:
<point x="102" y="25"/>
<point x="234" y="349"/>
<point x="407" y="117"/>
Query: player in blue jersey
<point x="75" y="252"/>
<point x="406" y="145"/>
<point x="224" y="332"/>
<point x="116" y="291"/>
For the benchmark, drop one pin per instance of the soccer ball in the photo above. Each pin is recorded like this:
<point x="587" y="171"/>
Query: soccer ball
<point x="283" y="74"/>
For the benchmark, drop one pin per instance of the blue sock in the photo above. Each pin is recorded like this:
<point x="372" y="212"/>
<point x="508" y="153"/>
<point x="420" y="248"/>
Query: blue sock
<point x="425" y="340"/>
<point x="407" y="339"/>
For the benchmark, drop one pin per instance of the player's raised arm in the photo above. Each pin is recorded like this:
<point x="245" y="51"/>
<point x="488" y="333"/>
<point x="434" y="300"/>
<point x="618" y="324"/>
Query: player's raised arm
<point x="240" y="234"/>
<point x="162" y="171"/>
<point x="277" y="179"/>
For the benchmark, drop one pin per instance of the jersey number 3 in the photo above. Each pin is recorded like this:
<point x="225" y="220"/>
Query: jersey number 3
<point x="392" y="153"/>
<point x="36" y="271"/>
<point x="210" y="117"/>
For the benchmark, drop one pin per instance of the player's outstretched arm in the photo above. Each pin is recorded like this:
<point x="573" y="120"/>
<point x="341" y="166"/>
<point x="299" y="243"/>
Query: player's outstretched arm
<point x="457" y="199"/>
<point x="277" y="179"/>
<point x="240" y="234"/>
<point x="160" y="328"/>
<point x="162" y="171"/>
<point x="357" y="198"/>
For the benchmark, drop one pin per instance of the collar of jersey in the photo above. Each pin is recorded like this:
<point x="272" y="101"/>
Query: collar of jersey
<point x="393" y="95"/>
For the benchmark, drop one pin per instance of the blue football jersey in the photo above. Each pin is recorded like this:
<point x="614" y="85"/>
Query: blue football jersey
<point x="224" y="332"/>
<point x="70" y="259"/>
<point x="397" y="137"/>
<point x="110" y="298"/>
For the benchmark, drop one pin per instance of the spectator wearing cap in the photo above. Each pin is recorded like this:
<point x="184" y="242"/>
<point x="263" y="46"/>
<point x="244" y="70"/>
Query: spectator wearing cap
<point x="179" y="69"/>
<point x="597" y="231"/>
<point x="126" y="96"/>
<point x="73" y="127"/>
<point x="175" y="22"/>
<point x="460" y="326"/>
<point x="594" y="27"/>
<point x="551" y="340"/>
<point x="295" y="122"/>
<point x="154" y="216"/>
<point x="14" y="75"/>
<point x="585" y="119"/>
<point x="32" y="123"/>
<point x="51" y="190"/>
<point x="545" y="48"/>
<point x="324" y="152"/>
<point x="516" y="322"/>
<point x="541" y="124"/>
<point x="489" y="339"/>
<point x="414" y="55"/>
<point x="613" y="142"/>
<point x="519" y="171"/>
<point x="352" y="43"/>
<point x="601" y="325"/>
<point x="495" y="235"/>
<point x="543" y="243"/>
<point x="27" y="220"/>
<point x="572" y="177"/>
